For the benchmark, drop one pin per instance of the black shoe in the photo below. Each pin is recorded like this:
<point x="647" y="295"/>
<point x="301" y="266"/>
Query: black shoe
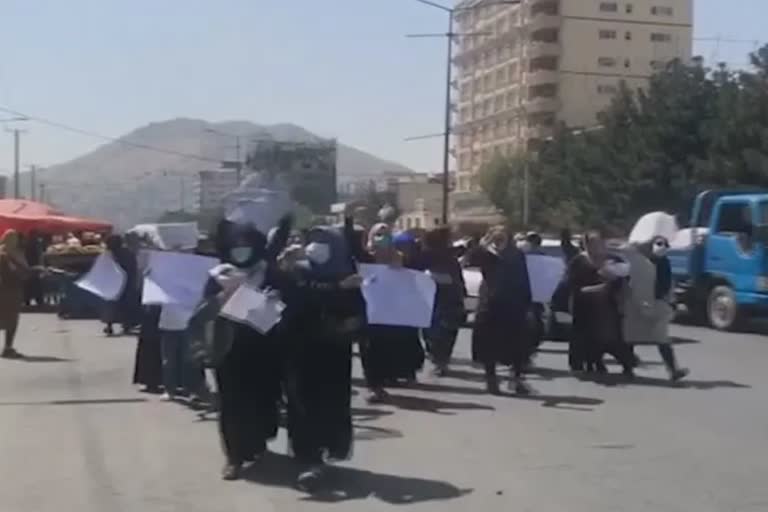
<point x="11" y="353"/>
<point x="231" y="471"/>
<point x="309" y="480"/>
<point x="492" y="386"/>
<point x="522" y="389"/>
<point x="678" y="374"/>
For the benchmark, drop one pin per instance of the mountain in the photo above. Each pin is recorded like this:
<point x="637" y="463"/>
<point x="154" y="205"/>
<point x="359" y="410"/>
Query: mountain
<point x="127" y="182"/>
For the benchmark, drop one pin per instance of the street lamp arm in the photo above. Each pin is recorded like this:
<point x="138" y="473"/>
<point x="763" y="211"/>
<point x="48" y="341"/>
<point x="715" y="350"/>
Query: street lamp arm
<point x="436" y="5"/>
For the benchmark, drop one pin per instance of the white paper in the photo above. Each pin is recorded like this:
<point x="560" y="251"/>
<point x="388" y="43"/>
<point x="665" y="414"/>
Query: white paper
<point x="652" y="225"/>
<point x="105" y="279"/>
<point x="176" y="278"/>
<point x="175" y="236"/>
<point x="397" y="296"/>
<point x="175" y="317"/>
<point x="251" y="306"/>
<point x="257" y="204"/>
<point x="544" y="274"/>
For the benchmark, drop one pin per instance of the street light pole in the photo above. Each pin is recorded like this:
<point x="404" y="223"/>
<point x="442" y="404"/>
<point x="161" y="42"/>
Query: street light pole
<point x="16" y="159"/>
<point x="450" y="35"/>
<point x="448" y="109"/>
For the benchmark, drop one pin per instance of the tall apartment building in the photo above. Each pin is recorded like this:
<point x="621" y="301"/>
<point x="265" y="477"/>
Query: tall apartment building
<point x="548" y="61"/>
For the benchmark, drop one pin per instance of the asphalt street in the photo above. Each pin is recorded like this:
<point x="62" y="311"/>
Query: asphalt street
<point x="75" y="435"/>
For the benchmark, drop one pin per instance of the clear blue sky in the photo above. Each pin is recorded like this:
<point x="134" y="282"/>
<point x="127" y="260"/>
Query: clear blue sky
<point x="340" y="68"/>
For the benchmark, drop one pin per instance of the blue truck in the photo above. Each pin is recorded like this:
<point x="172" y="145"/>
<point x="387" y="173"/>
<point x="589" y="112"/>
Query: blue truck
<point x="721" y="276"/>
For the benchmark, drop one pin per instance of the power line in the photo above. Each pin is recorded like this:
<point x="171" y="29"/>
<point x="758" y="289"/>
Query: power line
<point x="107" y="138"/>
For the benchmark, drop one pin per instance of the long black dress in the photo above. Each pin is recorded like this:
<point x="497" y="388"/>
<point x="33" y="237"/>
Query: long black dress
<point x="148" y="367"/>
<point x="323" y="323"/>
<point x="391" y="353"/>
<point x="596" y="318"/>
<point x="501" y="333"/>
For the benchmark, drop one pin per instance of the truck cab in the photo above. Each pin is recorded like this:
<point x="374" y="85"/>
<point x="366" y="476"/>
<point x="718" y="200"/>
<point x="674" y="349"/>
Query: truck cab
<point x="722" y="275"/>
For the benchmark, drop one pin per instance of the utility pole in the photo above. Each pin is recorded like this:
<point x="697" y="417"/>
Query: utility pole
<point x="239" y="161"/>
<point x="451" y="36"/>
<point x="16" y="160"/>
<point x="182" y="194"/>
<point x="32" y="182"/>
<point x="41" y="195"/>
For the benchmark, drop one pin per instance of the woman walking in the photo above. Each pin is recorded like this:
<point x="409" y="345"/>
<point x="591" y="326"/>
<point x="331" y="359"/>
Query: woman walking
<point x="13" y="272"/>
<point x="501" y="334"/>
<point x="249" y="374"/>
<point x="596" y="279"/>
<point x="647" y="311"/>
<point x="390" y="353"/>
<point x="443" y="265"/>
<point x="325" y="311"/>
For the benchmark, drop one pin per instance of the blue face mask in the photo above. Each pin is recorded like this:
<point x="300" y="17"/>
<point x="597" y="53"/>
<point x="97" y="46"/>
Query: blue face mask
<point x="241" y="254"/>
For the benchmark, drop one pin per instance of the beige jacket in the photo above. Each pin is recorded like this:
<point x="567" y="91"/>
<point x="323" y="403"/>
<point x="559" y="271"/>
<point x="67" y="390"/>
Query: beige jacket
<point x="646" y="319"/>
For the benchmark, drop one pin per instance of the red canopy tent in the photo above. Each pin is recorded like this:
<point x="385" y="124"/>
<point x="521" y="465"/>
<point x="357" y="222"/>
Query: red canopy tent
<point x="25" y="216"/>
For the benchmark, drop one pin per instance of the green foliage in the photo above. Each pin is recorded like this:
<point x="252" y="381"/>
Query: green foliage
<point x="690" y="129"/>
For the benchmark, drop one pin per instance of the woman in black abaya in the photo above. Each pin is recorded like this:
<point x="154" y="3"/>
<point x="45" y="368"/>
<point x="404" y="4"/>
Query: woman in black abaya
<point x="325" y="312"/>
<point x="249" y="374"/>
<point x="389" y="353"/>
<point x="502" y="333"/>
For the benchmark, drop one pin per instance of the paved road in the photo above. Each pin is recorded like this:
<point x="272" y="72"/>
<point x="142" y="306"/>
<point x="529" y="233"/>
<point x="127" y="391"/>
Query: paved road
<point x="75" y="435"/>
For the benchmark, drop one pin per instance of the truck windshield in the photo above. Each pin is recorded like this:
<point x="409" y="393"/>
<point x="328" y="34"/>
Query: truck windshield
<point x="762" y="214"/>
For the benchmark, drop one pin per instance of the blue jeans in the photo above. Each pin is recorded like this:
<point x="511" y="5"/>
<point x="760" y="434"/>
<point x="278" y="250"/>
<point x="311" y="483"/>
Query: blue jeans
<point x="180" y="372"/>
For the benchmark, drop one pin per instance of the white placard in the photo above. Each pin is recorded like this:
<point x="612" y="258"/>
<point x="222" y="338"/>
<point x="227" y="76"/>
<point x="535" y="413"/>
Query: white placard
<point x="105" y="279"/>
<point x="253" y="307"/>
<point x="544" y="274"/>
<point x="176" y="278"/>
<point x="397" y="296"/>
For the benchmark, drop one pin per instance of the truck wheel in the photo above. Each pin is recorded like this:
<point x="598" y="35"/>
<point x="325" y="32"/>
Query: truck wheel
<point x="722" y="309"/>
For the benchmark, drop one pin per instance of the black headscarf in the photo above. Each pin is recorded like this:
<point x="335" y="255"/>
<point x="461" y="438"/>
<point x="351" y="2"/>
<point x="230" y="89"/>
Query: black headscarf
<point x="340" y="264"/>
<point x="230" y="235"/>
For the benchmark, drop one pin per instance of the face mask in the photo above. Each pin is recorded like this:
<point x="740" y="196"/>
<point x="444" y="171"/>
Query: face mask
<point x="318" y="253"/>
<point x="240" y="254"/>
<point x="660" y="249"/>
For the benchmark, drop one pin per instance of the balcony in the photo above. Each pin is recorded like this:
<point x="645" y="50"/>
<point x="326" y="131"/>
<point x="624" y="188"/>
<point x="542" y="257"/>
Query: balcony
<point x="536" y="49"/>
<point x="542" y="20"/>
<point x="542" y="76"/>
<point x="542" y="104"/>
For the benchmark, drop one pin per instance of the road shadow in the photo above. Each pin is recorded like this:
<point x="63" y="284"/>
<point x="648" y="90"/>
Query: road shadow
<point x="614" y="379"/>
<point x="368" y="413"/>
<point x="433" y="405"/>
<point x="98" y="401"/>
<point x="433" y="386"/>
<point x="345" y="484"/>
<point x="566" y="402"/>
<point x="44" y="359"/>
<point x="371" y="433"/>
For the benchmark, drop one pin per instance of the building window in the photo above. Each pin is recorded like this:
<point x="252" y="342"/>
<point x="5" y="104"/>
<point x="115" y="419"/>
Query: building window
<point x="630" y="8"/>
<point x="437" y="221"/>
<point x="627" y="63"/>
<point x="501" y="76"/>
<point x="417" y="222"/>
<point x="498" y="103"/>
<point x="487" y="86"/>
<point x="607" y="89"/>
<point x="607" y="34"/>
<point x="609" y="7"/>
<point x="662" y="11"/>
<point x="658" y="65"/>
<point x="660" y="37"/>
<point x="628" y="35"/>
<point x="606" y="62"/>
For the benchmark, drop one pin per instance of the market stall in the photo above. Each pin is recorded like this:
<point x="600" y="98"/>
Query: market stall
<point x="64" y="262"/>
<point x="27" y="216"/>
